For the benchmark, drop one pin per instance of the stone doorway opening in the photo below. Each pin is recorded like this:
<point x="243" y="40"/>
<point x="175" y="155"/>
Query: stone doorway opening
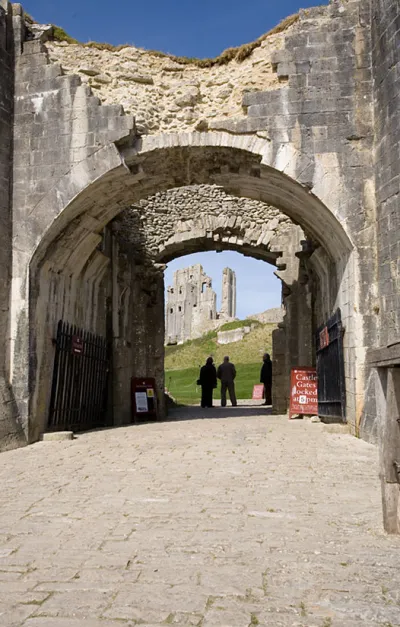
<point x="100" y="264"/>
<point x="217" y="303"/>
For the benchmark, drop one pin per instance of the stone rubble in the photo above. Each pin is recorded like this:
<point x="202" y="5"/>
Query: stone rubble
<point x="162" y="94"/>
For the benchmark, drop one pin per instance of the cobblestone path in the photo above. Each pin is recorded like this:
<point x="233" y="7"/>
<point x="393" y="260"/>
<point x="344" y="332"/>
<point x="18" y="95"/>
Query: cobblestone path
<point x="239" y="519"/>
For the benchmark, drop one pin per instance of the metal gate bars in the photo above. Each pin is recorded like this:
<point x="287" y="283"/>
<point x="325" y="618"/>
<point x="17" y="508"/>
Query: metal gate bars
<point x="79" y="389"/>
<point x="330" y="370"/>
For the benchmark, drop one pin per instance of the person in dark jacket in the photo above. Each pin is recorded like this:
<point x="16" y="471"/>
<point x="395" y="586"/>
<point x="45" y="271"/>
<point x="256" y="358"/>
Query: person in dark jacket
<point x="227" y="373"/>
<point x="266" y="378"/>
<point x="208" y="381"/>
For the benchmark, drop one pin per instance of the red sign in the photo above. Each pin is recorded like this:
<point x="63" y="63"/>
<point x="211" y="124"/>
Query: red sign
<point x="303" y="392"/>
<point x="258" y="392"/>
<point x="144" y="398"/>
<point x="324" y="338"/>
<point x="77" y="345"/>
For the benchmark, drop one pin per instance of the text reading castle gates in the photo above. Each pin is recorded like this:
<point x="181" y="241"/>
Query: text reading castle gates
<point x="115" y="161"/>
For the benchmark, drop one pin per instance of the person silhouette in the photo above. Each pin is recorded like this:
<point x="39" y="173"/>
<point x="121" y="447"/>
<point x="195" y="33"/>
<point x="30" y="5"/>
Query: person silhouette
<point x="226" y="373"/>
<point x="208" y="381"/>
<point x="266" y="379"/>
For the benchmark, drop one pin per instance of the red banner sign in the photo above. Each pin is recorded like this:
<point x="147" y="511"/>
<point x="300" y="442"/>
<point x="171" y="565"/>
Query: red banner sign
<point x="324" y="338"/>
<point x="77" y="345"/>
<point x="258" y="392"/>
<point x="303" y="392"/>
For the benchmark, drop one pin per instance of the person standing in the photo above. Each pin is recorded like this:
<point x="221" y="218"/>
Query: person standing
<point x="266" y="378"/>
<point x="226" y="373"/>
<point x="208" y="381"/>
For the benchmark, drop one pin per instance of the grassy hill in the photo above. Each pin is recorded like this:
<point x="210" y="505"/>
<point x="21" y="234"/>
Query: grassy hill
<point x="182" y="362"/>
<point x="194" y="353"/>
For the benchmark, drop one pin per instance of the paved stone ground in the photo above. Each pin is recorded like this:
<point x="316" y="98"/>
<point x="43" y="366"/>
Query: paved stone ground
<point x="239" y="519"/>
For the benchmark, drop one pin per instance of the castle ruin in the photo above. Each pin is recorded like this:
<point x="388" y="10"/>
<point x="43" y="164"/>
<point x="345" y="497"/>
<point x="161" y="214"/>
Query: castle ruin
<point x="191" y="307"/>
<point x="114" y="161"/>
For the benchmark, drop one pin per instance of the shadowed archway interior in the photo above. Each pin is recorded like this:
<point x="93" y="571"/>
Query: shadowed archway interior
<point x="110" y="278"/>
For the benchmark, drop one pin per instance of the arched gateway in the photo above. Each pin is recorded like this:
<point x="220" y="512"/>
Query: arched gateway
<point x="66" y="258"/>
<point x="303" y="121"/>
<point x="88" y="163"/>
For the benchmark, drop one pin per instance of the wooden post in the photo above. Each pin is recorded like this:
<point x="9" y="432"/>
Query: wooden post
<point x="388" y="405"/>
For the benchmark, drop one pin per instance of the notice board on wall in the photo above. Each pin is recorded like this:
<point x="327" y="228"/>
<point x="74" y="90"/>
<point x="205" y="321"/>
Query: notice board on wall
<point x="144" y="398"/>
<point x="303" y="392"/>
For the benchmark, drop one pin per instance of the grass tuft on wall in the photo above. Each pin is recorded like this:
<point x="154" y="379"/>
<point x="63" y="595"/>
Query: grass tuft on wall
<point x="237" y="54"/>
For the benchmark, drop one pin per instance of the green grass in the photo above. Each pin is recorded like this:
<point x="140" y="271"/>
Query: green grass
<point x="237" y="324"/>
<point x="194" y="353"/>
<point x="181" y="384"/>
<point x="59" y="34"/>
<point x="183" y="362"/>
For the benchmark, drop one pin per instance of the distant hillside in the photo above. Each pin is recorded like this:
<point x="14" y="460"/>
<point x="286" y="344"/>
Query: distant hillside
<point x="193" y="353"/>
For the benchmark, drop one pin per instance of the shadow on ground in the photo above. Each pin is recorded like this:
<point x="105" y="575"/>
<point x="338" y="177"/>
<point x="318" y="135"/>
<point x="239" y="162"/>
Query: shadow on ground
<point x="190" y="412"/>
<point x="184" y="413"/>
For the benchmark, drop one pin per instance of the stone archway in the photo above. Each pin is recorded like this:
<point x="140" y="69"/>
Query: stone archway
<point x="276" y="141"/>
<point x="75" y="214"/>
<point x="202" y="218"/>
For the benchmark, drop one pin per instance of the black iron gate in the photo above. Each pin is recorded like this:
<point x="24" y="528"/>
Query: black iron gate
<point x="79" y="389"/>
<point x="330" y="370"/>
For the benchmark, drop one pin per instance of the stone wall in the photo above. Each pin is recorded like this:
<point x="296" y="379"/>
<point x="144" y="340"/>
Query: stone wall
<point x="386" y="63"/>
<point x="58" y="123"/>
<point x="79" y="292"/>
<point x="200" y="217"/>
<point x="292" y="341"/>
<point x="138" y="329"/>
<point x="11" y="434"/>
<point x="112" y="296"/>
<point x="270" y="316"/>
<point x="163" y="94"/>
<point x="234" y="335"/>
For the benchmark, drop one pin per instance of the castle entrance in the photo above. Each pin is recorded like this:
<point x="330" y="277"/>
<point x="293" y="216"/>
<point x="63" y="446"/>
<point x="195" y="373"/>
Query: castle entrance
<point x="101" y="264"/>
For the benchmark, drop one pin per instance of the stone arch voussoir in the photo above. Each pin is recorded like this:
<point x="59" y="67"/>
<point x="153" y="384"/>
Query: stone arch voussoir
<point x="308" y="189"/>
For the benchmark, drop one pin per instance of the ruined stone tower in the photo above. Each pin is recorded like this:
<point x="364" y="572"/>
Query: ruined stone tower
<point x="191" y="307"/>
<point x="228" y="306"/>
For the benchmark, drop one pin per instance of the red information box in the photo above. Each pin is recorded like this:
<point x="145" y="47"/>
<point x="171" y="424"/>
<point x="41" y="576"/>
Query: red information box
<point x="258" y="392"/>
<point x="144" y="398"/>
<point x="303" y="392"/>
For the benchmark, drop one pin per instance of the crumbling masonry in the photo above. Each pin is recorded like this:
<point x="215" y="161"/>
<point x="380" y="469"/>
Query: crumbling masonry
<point x="306" y="125"/>
<point x="191" y="307"/>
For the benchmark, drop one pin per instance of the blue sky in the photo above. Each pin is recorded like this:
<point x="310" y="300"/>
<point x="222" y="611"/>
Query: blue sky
<point x="192" y="28"/>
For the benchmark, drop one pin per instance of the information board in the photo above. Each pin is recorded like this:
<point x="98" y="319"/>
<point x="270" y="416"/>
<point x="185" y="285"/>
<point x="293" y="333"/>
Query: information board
<point x="144" y="398"/>
<point x="141" y="402"/>
<point x="303" y="392"/>
<point x="258" y="392"/>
